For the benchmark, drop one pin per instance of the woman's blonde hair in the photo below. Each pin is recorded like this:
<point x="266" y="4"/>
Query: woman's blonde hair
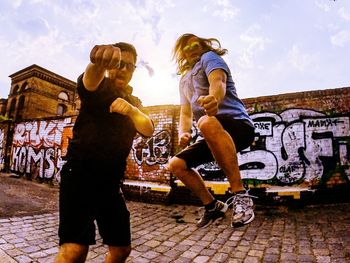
<point x="208" y="44"/>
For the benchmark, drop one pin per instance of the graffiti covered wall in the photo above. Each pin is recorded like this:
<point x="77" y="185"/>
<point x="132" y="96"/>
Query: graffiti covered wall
<point x="149" y="156"/>
<point x="294" y="145"/>
<point x="37" y="148"/>
<point x="4" y="132"/>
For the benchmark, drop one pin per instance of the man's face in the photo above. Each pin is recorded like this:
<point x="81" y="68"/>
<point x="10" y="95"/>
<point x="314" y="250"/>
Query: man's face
<point x="193" y="50"/>
<point x="122" y="76"/>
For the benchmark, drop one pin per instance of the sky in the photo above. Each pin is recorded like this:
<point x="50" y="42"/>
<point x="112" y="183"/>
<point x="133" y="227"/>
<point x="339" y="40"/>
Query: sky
<point x="275" y="46"/>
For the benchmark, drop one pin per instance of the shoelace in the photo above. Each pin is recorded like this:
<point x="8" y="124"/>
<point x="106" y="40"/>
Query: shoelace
<point x="230" y="201"/>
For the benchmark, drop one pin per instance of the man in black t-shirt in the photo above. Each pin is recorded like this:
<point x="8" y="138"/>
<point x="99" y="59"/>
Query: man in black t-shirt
<point x="103" y="134"/>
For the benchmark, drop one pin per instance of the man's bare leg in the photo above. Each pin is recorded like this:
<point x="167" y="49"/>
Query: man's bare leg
<point x="117" y="254"/>
<point x="72" y="253"/>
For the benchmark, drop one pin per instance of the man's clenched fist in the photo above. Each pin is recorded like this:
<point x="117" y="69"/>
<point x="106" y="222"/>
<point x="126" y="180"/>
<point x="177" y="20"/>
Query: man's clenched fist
<point x="106" y="56"/>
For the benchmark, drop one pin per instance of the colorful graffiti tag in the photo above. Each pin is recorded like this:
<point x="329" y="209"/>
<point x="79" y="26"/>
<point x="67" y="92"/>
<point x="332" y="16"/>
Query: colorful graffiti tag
<point x="36" y="148"/>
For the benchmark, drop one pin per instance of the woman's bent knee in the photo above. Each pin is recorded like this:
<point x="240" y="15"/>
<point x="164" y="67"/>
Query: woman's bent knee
<point x="176" y="165"/>
<point x="209" y="126"/>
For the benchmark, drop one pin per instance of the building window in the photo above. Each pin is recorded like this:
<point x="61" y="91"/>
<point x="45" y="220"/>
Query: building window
<point x="12" y="108"/>
<point x="15" y="89"/>
<point x="20" y="107"/>
<point x="61" y="109"/>
<point x="63" y="96"/>
<point x="21" y="102"/>
<point x="24" y="86"/>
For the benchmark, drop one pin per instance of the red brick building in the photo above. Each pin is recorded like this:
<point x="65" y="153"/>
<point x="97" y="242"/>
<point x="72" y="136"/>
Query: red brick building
<point x="38" y="93"/>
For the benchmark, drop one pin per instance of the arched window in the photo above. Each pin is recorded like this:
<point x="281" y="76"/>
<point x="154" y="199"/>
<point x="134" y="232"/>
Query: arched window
<point x="3" y="110"/>
<point x="20" y="107"/>
<point x="15" y="89"/>
<point x="63" y="96"/>
<point x="12" y="108"/>
<point x="61" y="109"/>
<point x="24" y="86"/>
<point x="21" y="102"/>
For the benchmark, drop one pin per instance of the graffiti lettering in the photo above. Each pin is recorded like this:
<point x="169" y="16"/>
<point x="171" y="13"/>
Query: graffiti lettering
<point x="323" y="123"/>
<point x="155" y="150"/>
<point x="37" y="163"/>
<point x="39" y="133"/>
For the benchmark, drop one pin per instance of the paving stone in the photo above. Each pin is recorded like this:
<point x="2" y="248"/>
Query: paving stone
<point x="14" y="252"/>
<point x="38" y="254"/>
<point x="23" y="259"/>
<point x="201" y="259"/>
<point x="161" y="249"/>
<point x="323" y="259"/>
<point x="306" y="258"/>
<point x="182" y="260"/>
<point x="6" y="246"/>
<point x="30" y="249"/>
<point x="48" y="259"/>
<point x="255" y="253"/>
<point x="220" y="257"/>
<point x="49" y="251"/>
<point x="152" y="243"/>
<point x="321" y="252"/>
<point x="189" y="254"/>
<point x="160" y="259"/>
<point x="150" y="255"/>
<point x="250" y="259"/>
<point x="269" y="258"/>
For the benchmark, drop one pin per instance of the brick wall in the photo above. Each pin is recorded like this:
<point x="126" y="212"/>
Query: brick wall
<point x="301" y="139"/>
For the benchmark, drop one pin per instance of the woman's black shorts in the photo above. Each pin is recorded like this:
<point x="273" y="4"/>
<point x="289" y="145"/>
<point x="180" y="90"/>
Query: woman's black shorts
<point x="199" y="153"/>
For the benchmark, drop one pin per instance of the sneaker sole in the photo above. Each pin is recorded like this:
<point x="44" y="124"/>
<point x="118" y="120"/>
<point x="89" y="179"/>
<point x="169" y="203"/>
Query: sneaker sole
<point x="212" y="221"/>
<point x="244" y="223"/>
<point x="223" y="210"/>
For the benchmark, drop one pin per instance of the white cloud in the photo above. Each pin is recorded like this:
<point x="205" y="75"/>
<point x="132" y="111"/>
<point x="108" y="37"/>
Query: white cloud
<point x="149" y="13"/>
<point x="341" y="39"/>
<point x="300" y="60"/>
<point x="16" y="3"/>
<point x="222" y="9"/>
<point x="253" y="42"/>
<point x="345" y="14"/>
<point x="322" y="5"/>
<point x="332" y="27"/>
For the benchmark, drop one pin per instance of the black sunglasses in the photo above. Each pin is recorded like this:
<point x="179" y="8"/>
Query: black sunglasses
<point x="129" y="66"/>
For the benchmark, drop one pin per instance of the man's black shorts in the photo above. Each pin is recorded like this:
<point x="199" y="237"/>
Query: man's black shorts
<point x="199" y="153"/>
<point x="90" y="192"/>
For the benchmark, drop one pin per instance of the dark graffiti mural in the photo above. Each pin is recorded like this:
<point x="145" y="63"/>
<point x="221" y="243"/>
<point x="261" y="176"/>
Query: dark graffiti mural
<point x="294" y="146"/>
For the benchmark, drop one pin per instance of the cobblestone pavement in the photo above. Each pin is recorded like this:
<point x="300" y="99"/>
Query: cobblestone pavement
<point x="168" y="234"/>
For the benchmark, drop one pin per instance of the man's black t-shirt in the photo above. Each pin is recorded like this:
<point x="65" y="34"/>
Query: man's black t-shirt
<point x="99" y="135"/>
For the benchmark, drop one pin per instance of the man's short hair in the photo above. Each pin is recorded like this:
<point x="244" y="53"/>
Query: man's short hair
<point x="127" y="47"/>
